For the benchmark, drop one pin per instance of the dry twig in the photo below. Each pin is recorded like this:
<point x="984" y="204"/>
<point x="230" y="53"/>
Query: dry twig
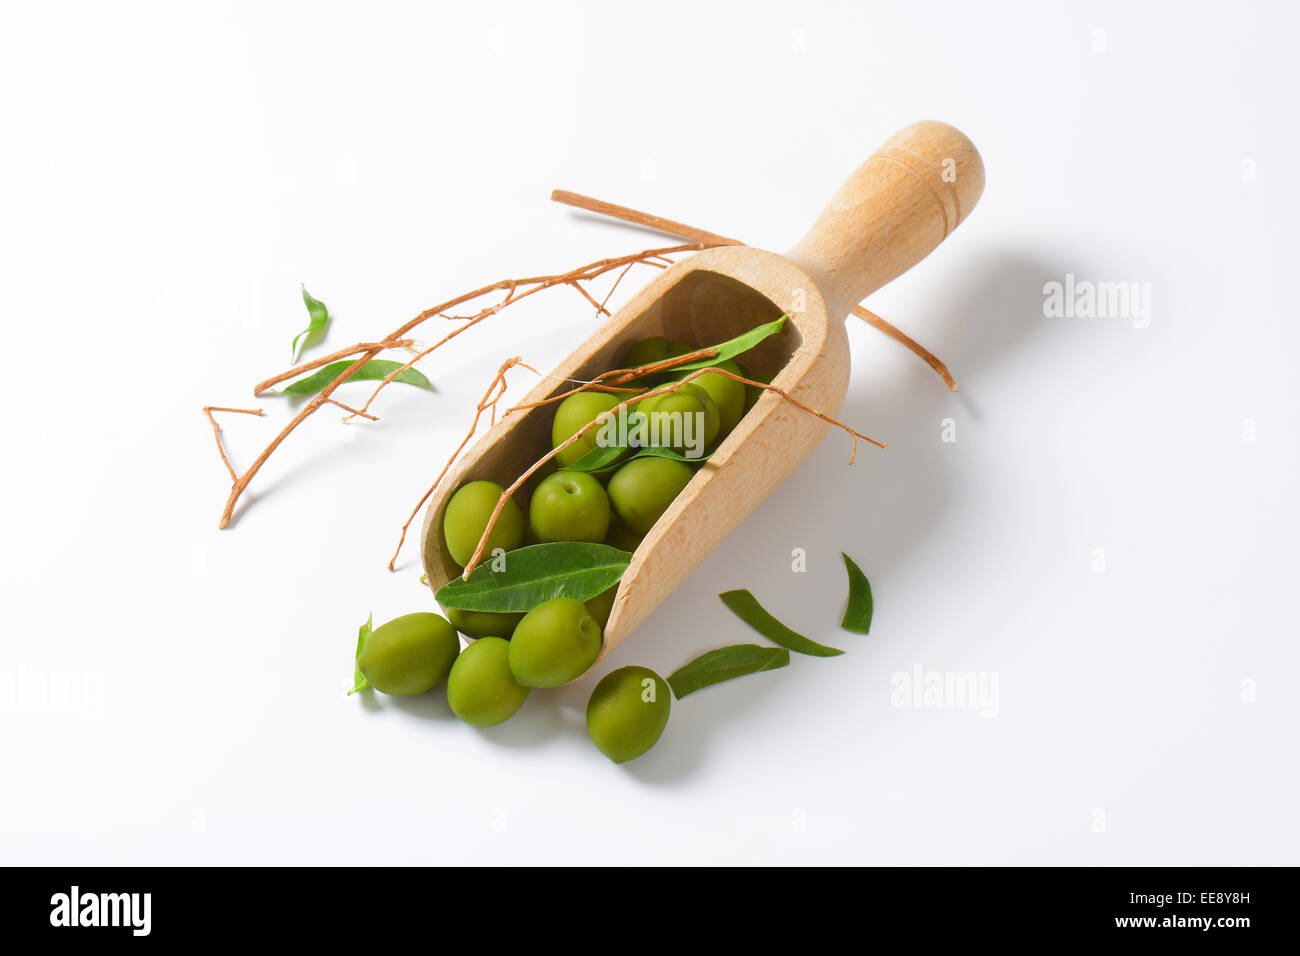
<point x="684" y="231"/>
<point x="216" y="432"/>
<point x="365" y="351"/>
<point x="495" y="390"/>
<point x="514" y="289"/>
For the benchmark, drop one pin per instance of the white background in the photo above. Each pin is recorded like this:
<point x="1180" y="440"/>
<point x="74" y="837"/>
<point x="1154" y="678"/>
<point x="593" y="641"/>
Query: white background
<point x="170" y="173"/>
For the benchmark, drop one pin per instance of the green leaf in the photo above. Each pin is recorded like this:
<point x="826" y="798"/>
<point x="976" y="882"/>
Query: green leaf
<point x="535" y="574"/>
<point x="734" y="347"/>
<point x="319" y="318"/>
<point x="607" y="458"/>
<point x="857" y="615"/>
<point x="746" y="607"/>
<point x="714" y="667"/>
<point x="372" y="371"/>
<point x="598" y="459"/>
<point x="359" y="681"/>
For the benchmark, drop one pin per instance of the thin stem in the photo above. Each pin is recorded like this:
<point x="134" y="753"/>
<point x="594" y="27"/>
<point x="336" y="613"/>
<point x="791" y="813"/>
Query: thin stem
<point x="489" y="400"/>
<point x="672" y="228"/>
<point x="658" y="223"/>
<point x="216" y="431"/>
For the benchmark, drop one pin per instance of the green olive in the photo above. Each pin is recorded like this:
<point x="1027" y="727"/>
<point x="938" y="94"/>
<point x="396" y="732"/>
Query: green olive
<point x="554" y="643"/>
<point x="628" y="712"/>
<point x="727" y="394"/>
<point x="643" y="489"/>
<point x="685" y="419"/>
<point x="569" y="506"/>
<point x="480" y="689"/>
<point x="573" y="413"/>
<point x="601" y="605"/>
<point x="652" y="350"/>
<point x="478" y="624"/>
<point x="621" y="536"/>
<point x="410" y="654"/>
<point x="467" y="515"/>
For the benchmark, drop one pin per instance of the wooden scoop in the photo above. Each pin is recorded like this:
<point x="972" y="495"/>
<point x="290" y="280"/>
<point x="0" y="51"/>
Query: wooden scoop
<point x="893" y="210"/>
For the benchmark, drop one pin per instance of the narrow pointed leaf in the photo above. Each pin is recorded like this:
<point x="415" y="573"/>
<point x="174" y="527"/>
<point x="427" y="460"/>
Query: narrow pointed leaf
<point x="359" y="681"/>
<point x="318" y="320"/>
<point x="535" y="574"/>
<point x="746" y="607"/>
<point x="723" y="664"/>
<point x="373" y="371"/>
<point x="609" y="458"/>
<point x="733" y="347"/>
<point x="857" y="614"/>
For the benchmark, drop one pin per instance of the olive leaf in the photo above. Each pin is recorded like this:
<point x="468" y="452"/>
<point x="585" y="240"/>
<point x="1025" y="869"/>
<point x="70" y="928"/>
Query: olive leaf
<point x="535" y="574"/>
<point x="598" y="459"/>
<point x="359" y="681"/>
<point x="373" y="371"/>
<point x="725" y="663"/>
<point x="319" y="318"/>
<point x="609" y="457"/>
<point x="733" y="347"/>
<point x="857" y="614"/>
<point x="746" y="607"/>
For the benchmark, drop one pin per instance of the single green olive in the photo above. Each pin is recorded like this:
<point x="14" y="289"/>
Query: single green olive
<point x="410" y="654"/>
<point x="643" y="489"/>
<point x="480" y="689"/>
<point x="627" y="712"/>
<point x="554" y="643"/>
<point x="685" y="419"/>
<point x="752" y="392"/>
<point x="621" y="536"/>
<point x="652" y="350"/>
<point x="569" y="506"/>
<point x="727" y="394"/>
<point x="573" y="413"/>
<point x="467" y="515"/>
<point x="602" y="604"/>
<point x="478" y="624"/>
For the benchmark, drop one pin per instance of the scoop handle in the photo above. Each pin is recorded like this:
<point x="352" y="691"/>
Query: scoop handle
<point x="889" y="215"/>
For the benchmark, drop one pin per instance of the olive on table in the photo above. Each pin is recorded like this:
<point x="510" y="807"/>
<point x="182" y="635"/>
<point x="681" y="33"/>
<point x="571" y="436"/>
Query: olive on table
<point x="576" y="411"/>
<point x="627" y="712"/>
<point x="481" y="689"/>
<point x="467" y="516"/>
<point x="555" y="642"/>
<point x="643" y="489"/>
<point x="569" y="506"/>
<point x="410" y="654"/>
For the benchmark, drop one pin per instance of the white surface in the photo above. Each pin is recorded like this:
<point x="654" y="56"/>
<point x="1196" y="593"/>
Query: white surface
<point x="168" y="177"/>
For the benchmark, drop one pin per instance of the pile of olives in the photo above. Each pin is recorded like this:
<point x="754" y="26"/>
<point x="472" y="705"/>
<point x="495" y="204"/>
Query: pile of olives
<point x="559" y="640"/>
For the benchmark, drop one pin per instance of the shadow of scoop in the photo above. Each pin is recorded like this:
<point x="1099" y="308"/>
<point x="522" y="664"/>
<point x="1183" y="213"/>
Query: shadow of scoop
<point x="879" y="509"/>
